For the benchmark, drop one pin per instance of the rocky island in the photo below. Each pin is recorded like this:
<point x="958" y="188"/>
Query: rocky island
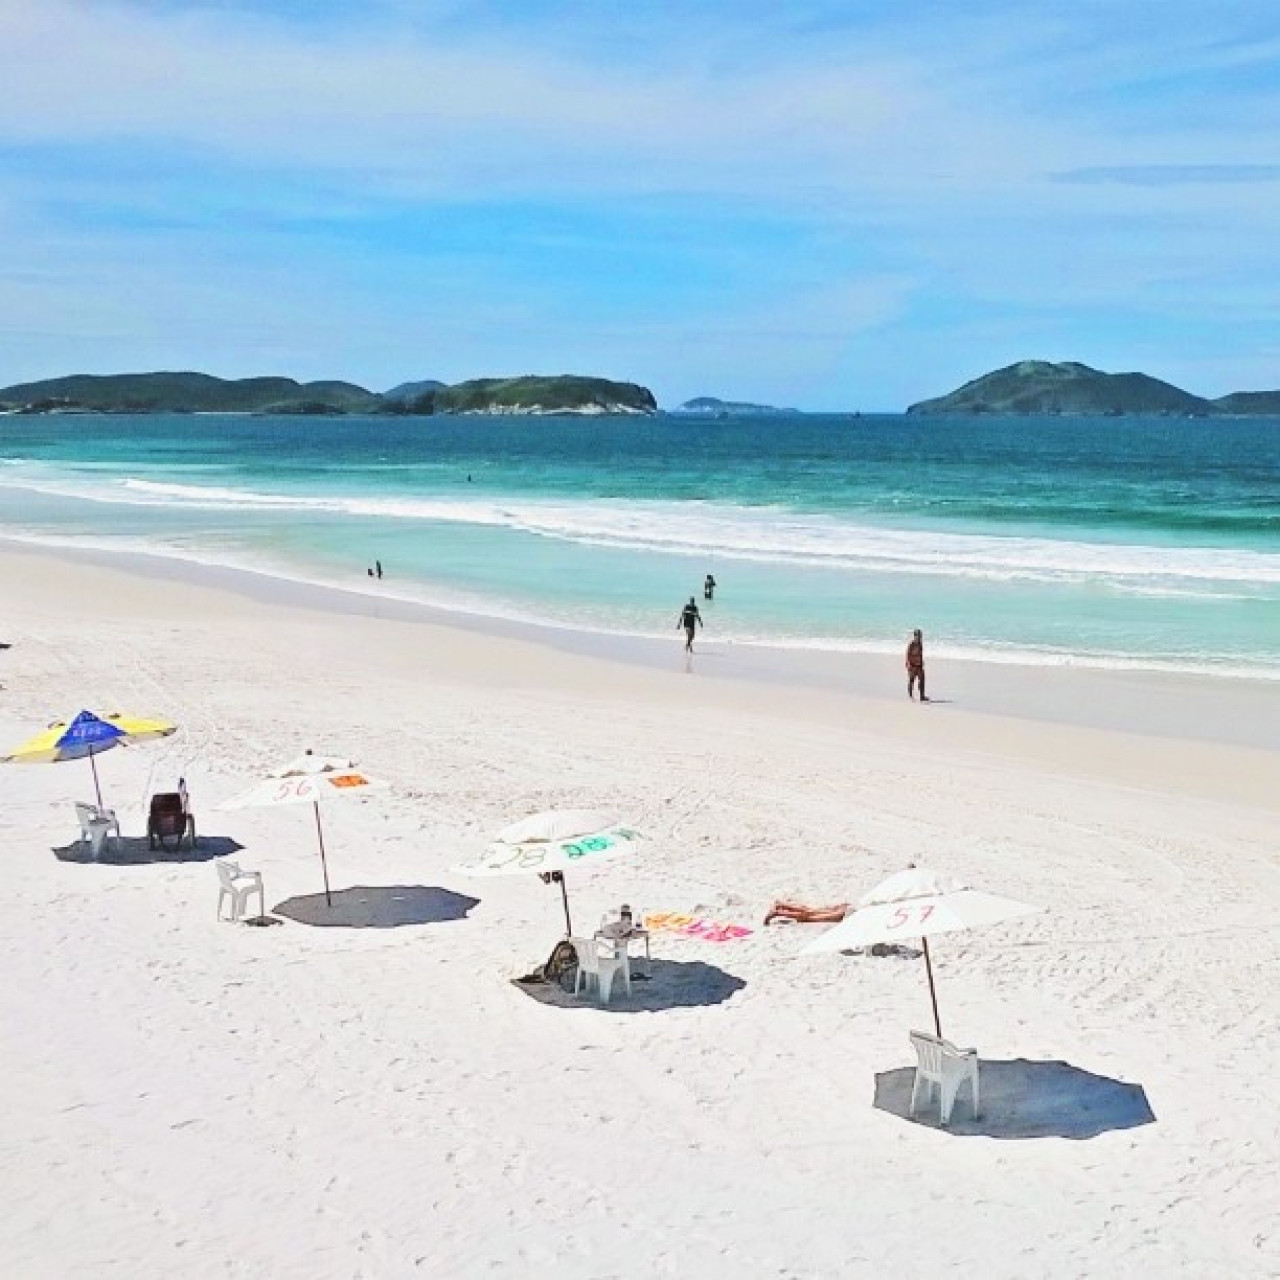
<point x="567" y="393"/>
<point x="1042" y="387"/>
<point x="711" y="407"/>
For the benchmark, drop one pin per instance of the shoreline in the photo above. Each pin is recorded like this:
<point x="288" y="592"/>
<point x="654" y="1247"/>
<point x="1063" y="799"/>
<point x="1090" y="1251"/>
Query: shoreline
<point x="1186" y="706"/>
<point x="1212" y="738"/>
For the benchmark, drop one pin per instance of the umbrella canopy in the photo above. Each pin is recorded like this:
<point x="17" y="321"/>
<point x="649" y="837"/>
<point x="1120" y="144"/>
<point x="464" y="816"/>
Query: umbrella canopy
<point x="309" y="779"/>
<point x="304" y="789"/>
<point x="916" y="903"/>
<point x="551" y="843"/>
<point x="88" y="735"/>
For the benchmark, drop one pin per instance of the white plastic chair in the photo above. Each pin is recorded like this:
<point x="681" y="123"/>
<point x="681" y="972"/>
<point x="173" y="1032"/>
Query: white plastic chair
<point x="239" y="885"/>
<point x="637" y="935"/>
<point x="940" y="1064"/>
<point x="96" y="824"/>
<point x="599" y="962"/>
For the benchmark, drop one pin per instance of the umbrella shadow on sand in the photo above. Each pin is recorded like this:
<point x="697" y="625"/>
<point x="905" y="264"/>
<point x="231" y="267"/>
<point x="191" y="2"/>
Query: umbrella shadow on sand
<point x="136" y="851"/>
<point x="672" y="984"/>
<point x="1025" y="1099"/>
<point x="378" y="907"/>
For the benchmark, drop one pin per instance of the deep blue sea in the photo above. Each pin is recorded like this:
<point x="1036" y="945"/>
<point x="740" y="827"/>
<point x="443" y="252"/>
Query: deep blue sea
<point x="1114" y="542"/>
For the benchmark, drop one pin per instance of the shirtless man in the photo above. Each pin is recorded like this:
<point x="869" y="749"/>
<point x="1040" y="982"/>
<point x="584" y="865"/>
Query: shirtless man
<point x="915" y="664"/>
<point x="690" y="619"/>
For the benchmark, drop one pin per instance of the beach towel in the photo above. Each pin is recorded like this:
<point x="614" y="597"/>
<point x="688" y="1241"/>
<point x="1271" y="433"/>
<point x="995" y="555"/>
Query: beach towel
<point x="694" y="927"/>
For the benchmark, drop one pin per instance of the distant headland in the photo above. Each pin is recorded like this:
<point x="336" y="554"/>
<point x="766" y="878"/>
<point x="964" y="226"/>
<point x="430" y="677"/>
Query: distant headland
<point x="203" y="393"/>
<point x="1040" y="387"/>
<point x="711" y="407"/>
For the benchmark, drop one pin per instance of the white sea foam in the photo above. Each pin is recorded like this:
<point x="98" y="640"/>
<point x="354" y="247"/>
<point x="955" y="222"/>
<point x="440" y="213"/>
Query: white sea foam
<point x="729" y="533"/>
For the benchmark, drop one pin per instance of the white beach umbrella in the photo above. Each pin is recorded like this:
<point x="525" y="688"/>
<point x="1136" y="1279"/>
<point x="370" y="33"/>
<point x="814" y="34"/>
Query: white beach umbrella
<point x="308" y="779"/>
<point x="552" y="843"/>
<point x="916" y="903"/>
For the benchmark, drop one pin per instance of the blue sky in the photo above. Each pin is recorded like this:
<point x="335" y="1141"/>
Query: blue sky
<point x="828" y="205"/>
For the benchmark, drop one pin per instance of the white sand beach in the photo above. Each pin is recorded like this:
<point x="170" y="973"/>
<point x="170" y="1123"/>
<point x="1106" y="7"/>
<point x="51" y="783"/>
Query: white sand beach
<point x="377" y="1099"/>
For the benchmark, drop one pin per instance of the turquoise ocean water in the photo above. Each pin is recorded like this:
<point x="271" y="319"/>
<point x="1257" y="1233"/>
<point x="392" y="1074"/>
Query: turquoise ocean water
<point x="1116" y="542"/>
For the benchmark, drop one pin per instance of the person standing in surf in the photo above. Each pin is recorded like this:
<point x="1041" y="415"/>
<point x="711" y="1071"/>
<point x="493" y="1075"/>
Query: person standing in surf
<point x="690" y="619"/>
<point x="915" y="664"/>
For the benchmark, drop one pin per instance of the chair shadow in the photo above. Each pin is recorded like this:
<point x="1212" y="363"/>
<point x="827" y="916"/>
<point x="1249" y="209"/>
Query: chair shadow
<point x="672" y="984"/>
<point x="136" y="851"/>
<point x="377" y="907"/>
<point x="884" y="951"/>
<point x="1025" y="1099"/>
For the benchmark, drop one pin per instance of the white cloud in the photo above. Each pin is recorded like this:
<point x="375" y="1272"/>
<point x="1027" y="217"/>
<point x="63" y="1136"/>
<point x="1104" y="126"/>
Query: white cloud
<point x="440" y="116"/>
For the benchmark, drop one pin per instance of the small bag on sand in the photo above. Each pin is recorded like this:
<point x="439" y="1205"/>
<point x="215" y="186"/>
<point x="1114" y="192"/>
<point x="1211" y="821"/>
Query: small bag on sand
<point x="561" y="967"/>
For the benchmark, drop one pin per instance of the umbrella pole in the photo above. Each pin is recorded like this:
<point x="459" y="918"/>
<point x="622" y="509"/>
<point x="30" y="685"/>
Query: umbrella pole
<point x="324" y="865"/>
<point x="564" y="893"/>
<point x="97" y="789"/>
<point x="933" y="994"/>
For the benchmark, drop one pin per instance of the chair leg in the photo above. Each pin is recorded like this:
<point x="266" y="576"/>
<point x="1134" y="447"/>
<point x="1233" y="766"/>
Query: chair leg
<point x="947" y="1098"/>
<point x="605" y="981"/>
<point x="915" y="1092"/>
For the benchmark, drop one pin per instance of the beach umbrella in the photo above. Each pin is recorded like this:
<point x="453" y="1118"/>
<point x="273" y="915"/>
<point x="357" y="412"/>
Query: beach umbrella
<point x="916" y="903"/>
<point x="87" y="735"/>
<point x="552" y="843"/>
<point x="309" y="779"/>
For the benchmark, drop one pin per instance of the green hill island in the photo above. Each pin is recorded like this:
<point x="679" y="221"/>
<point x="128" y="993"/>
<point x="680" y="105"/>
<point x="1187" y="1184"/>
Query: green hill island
<point x="203" y="393"/>
<point x="1041" y="387"/>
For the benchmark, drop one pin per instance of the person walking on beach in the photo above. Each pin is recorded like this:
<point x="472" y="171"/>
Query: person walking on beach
<point x="378" y="566"/>
<point x="690" y="620"/>
<point x="915" y="664"/>
<point x="709" y="588"/>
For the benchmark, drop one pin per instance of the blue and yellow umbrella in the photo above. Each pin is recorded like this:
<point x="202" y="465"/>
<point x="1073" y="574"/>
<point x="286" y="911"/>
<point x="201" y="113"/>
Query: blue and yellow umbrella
<point x="86" y="735"/>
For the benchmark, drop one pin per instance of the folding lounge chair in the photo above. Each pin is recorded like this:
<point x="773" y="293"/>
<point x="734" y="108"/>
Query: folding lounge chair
<point x="170" y="819"/>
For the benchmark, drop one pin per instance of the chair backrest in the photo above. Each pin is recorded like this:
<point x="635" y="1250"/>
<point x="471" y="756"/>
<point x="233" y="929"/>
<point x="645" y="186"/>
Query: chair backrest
<point x="588" y="954"/>
<point x="929" y="1050"/>
<point x="166" y="802"/>
<point x="87" y="813"/>
<point x="933" y="1053"/>
<point x="227" y="871"/>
